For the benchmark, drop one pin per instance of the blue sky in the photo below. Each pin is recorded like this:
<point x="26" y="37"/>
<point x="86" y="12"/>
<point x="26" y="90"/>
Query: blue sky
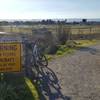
<point x="46" y="9"/>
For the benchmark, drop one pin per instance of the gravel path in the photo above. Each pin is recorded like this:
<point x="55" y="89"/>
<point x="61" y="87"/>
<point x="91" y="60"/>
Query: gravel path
<point x="77" y="76"/>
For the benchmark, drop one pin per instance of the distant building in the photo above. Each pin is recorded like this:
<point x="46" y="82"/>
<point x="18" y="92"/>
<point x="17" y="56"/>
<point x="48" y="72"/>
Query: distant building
<point x="84" y="20"/>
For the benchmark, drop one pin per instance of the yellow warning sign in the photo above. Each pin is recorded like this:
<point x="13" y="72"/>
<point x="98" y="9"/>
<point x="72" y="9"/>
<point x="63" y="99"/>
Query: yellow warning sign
<point x="10" y="57"/>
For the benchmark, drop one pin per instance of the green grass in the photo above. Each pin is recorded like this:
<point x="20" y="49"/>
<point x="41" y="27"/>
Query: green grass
<point x="83" y="43"/>
<point x="21" y="88"/>
<point x="64" y="49"/>
<point x="49" y="57"/>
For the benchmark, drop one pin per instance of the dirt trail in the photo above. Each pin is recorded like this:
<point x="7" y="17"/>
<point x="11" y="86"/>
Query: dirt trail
<point x="78" y="76"/>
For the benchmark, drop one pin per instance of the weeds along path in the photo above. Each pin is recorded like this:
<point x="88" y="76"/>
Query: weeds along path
<point x="78" y="76"/>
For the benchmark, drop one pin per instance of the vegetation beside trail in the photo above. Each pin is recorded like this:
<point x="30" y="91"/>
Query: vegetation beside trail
<point x="16" y="87"/>
<point x="70" y="47"/>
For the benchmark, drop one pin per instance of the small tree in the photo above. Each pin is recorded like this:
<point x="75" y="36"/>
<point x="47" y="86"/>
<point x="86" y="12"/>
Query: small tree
<point x="64" y="34"/>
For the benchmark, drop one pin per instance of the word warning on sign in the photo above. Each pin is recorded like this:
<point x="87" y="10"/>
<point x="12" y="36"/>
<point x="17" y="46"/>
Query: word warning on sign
<point x="10" y="57"/>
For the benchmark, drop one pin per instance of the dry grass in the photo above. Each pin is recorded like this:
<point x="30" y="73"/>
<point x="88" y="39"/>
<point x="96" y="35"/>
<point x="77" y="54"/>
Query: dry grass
<point x="75" y="29"/>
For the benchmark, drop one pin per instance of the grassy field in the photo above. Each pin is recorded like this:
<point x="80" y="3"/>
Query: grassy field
<point x="74" y="29"/>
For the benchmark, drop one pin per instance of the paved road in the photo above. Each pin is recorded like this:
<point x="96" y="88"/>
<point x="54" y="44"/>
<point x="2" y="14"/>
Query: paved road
<point x="74" y="77"/>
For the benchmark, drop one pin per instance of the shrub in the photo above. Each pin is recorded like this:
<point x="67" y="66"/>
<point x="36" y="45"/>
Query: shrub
<point x="71" y="44"/>
<point x="63" y="34"/>
<point x="52" y="49"/>
<point x="59" y="52"/>
<point x="7" y="92"/>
